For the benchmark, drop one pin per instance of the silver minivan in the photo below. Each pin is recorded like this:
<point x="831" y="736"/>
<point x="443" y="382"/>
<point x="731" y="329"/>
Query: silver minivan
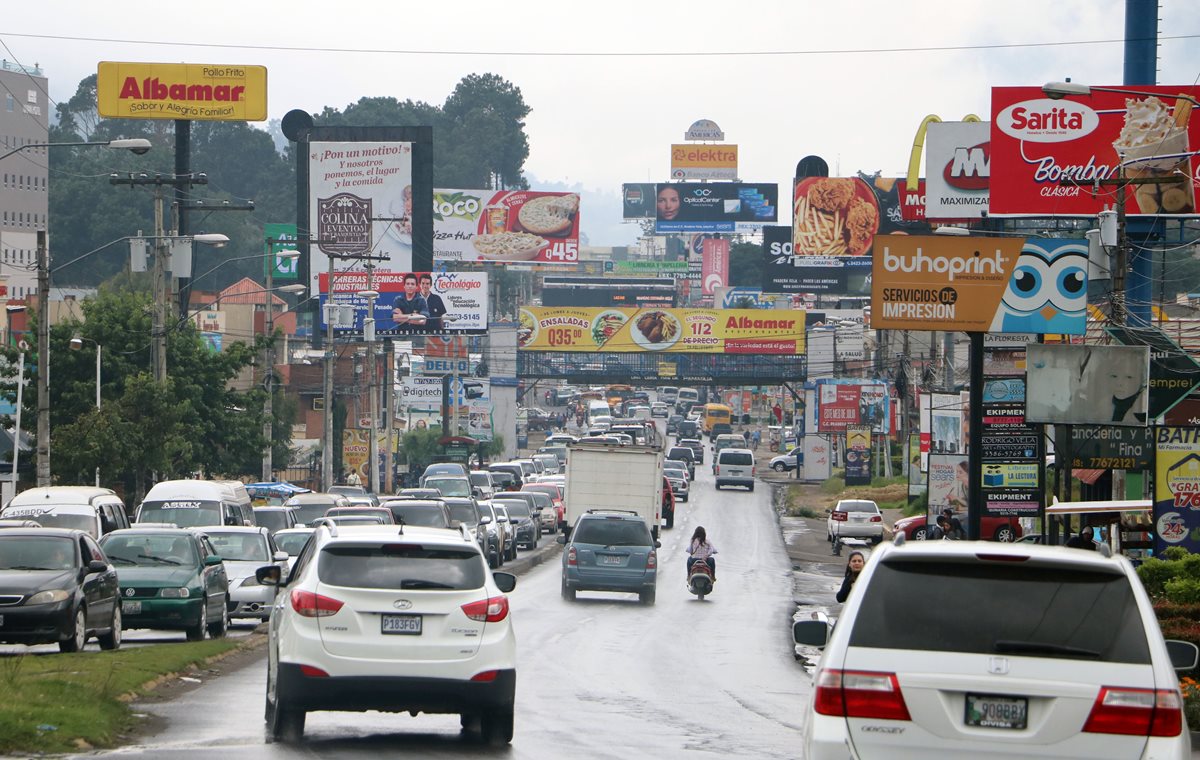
<point x="734" y="467"/>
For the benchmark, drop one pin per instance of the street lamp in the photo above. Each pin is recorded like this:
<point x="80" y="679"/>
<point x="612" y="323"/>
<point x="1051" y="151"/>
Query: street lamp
<point x="77" y="343"/>
<point x="1060" y="90"/>
<point x="136" y="145"/>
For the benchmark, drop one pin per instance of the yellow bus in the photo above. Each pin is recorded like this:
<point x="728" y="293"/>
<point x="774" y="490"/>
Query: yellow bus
<point x="715" y="414"/>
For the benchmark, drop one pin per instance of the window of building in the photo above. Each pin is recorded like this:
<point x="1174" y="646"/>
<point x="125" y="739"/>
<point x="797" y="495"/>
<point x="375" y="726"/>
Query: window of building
<point x="9" y="103"/>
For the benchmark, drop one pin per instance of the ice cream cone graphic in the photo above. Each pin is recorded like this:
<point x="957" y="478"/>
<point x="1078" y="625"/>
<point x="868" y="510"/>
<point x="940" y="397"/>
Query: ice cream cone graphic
<point x="1153" y="144"/>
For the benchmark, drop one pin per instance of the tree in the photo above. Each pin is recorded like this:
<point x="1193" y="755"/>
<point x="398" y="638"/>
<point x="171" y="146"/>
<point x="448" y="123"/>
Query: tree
<point x="745" y="265"/>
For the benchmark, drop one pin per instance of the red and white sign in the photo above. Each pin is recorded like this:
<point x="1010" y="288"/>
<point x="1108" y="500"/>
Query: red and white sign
<point x="838" y="407"/>
<point x="1048" y="154"/>
<point x="714" y="272"/>
<point x="912" y="201"/>
<point x="958" y="165"/>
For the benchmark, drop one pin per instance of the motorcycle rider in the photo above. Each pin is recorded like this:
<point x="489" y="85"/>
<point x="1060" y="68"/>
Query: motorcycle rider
<point x="700" y="548"/>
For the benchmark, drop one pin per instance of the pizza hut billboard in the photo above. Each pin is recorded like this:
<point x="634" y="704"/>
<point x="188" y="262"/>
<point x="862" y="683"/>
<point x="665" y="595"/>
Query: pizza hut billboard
<point x="1047" y="154"/>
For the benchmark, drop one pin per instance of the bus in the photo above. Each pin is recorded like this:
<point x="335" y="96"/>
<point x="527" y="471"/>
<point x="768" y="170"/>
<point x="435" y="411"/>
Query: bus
<point x="618" y="394"/>
<point x="715" y="414"/>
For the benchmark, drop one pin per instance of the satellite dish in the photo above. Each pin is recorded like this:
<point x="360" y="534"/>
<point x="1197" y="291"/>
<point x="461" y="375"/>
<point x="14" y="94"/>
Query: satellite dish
<point x="295" y="123"/>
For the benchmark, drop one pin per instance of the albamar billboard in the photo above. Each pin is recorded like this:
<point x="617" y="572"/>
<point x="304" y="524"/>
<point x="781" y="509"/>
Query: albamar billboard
<point x="201" y="92"/>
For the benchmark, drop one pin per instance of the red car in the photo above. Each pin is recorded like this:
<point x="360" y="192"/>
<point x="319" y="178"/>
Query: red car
<point x="1006" y="529"/>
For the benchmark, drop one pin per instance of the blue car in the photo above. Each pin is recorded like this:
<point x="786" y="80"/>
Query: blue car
<point x="610" y="550"/>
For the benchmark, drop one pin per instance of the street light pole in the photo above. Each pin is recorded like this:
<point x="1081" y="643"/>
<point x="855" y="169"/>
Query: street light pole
<point x="43" y="361"/>
<point x="269" y="372"/>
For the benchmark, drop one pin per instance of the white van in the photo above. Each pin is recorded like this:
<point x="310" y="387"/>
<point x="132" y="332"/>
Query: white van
<point x="96" y="510"/>
<point x="687" y="395"/>
<point x="196" y="503"/>
<point x="598" y="409"/>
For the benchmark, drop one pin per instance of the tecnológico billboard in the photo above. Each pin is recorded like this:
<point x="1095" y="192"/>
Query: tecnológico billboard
<point x="715" y="207"/>
<point x="977" y="284"/>
<point x="413" y="303"/>
<point x="1048" y="153"/>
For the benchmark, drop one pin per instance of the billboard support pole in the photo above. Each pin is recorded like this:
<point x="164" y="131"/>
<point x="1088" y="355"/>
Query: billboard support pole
<point x="975" y="451"/>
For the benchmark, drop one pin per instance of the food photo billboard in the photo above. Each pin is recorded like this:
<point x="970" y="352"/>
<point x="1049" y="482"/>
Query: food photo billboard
<point x="978" y="284"/>
<point x="715" y="206"/>
<point x="711" y="331"/>
<point x="413" y="303"/>
<point x="505" y="226"/>
<point x="1087" y="385"/>
<point x="1048" y="153"/>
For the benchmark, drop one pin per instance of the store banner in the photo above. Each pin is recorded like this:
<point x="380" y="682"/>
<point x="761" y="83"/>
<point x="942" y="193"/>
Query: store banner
<point x="711" y="331"/>
<point x="957" y="169"/>
<point x="858" y="456"/>
<point x="916" y="477"/>
<point x="704" y="162"/>
<point x="1173" y="372"/>
<point x="186" y="91"/>
<point x="412" y="303"/>
<point x="637" y="200"/>
<point x="784" y="272"/>
<point x="714" y="267"/>
<point x="978" y="284"/>
<point x="715" y="207"/>
<point x="356" y="452"/>
<point x="1049" y="153"/>
<point x="505" y="226"/>
<point x="948" y="482"/>
<point x="1177" y="489"/>
<point x="1095" y="447"/>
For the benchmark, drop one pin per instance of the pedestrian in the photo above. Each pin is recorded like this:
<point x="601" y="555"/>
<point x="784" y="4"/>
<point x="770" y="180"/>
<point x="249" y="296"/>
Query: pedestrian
<point x="352" y="478"/>
<point x="778" y="412"/>
<point x="956" y="529"/>
<point x="854" y="566"/>
<point x="1083" y="540"/>
<point x="755" y="438"/>
<point x="936" y="532"/>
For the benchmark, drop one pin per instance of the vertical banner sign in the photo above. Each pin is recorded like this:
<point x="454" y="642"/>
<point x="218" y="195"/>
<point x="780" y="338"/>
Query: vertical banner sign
<point x="916" y="478"/>
<point x="714" y="265"/>
<point x="858" y="456"/>
<point x="356" y="450"/>
<point x="360" y="197"/>
<point x="281" y="238"/>
<point x="1177" y="489"/>
<point x="947" y="482"/>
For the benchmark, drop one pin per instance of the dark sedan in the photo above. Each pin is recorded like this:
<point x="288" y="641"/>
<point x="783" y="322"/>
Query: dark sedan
<point x="56" y="586"/>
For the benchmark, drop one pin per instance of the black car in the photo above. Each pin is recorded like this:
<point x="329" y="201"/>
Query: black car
<point x="673" y="423"/>
<point x="687" y="429"/>
<point x="684" y="454"/>
<point x="57" y="586"/>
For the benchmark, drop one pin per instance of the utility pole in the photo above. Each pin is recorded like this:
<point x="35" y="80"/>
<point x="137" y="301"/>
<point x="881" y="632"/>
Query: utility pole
<point x="327" y="390"/>
<point x="158" y="330"/>
<point x="389" y="406"/>
<point x="373" y="401"/>
<point x="268" y="469"/>
<point x="43" y="365"/>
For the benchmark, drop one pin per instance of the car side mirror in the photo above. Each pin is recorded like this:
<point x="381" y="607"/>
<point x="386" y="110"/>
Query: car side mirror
<point x="485" y="520"/>
<point x="96" y="566"/>
<point x="813" y="633"/>
<point x="657" y="544"/>
<point x="212" y="560"/>
<point x="829" y="511"/>
<point x="280" y="556"/>
<point x="562" y="539"/>
<point x="506" y="582"/>
<point x="1184" y="654"/>
<point x="271" y="575"/>
<point x="477" y="492"/>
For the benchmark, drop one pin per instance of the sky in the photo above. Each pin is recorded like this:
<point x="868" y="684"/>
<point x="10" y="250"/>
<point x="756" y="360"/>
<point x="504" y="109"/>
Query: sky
<point x="612" y="85"/>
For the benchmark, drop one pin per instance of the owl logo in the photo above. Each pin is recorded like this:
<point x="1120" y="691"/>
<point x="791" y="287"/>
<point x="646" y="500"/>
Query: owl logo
<point x="1047" y="292"/>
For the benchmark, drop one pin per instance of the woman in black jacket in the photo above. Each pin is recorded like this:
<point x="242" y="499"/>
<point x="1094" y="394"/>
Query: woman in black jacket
<point x="854" y="566"/>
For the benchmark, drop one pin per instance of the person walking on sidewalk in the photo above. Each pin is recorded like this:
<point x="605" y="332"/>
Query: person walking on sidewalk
<point x="854" y="566"/>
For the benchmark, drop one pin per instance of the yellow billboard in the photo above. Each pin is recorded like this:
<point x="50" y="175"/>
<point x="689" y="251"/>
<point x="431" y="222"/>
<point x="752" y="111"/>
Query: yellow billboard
<point x="191" y="91"/>
<point x="627" y="330"/>
<point x="704" y="161"/>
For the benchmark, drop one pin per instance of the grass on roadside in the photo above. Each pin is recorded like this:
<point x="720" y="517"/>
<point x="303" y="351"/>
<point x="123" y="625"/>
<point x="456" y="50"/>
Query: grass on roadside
<point x="53" y="702"/>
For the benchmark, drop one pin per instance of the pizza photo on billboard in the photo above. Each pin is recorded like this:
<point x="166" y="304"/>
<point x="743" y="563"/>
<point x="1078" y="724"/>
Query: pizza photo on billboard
<point x="834" y="216"/>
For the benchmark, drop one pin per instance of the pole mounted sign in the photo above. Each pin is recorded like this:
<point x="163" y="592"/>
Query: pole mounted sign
<point x="200" y="92"/>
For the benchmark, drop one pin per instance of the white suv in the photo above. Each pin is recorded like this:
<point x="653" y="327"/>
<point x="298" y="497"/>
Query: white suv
<point x="965" y="649"/>
<point x="391" y="618"/>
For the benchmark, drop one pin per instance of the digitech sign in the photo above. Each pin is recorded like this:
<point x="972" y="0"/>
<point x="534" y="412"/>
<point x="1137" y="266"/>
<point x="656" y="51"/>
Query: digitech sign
<point x="201" y="92"/>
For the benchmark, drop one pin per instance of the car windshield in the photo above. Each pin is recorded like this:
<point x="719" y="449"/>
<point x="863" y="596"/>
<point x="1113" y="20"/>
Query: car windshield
<point x="291" y="543"/>
<point x="1002" y="609"/>
<point x="51" y="518"/>
<point x="150" y="549"/>
<point x="309" y="511"/>
<point x="606" y="532"/>
<point x="272" y="520"/>
<point x="481" y="479"/>
<point x="241" y="547"/>
<point x="516" y="509"/>
<point x="450" y="486"/>
<point x="417" y="514"/>
<point x="350" y="511"/>
<point x="401" y="567"/>
<point x="36" y="553"/>
<point x="186" y="513"/>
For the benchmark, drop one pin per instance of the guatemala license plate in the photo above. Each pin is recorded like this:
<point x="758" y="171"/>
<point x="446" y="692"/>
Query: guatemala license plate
<point x="987" y="711"/>
<point x="131" y="608"/>
<point x="401" y="624"/>
<point x="609" y="559"/>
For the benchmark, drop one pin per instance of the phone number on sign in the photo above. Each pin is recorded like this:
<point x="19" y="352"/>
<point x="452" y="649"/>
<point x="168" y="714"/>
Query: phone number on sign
<point x="1106" y="463"/>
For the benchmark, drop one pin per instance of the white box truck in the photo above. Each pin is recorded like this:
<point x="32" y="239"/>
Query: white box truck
<point x="611" y="476"/>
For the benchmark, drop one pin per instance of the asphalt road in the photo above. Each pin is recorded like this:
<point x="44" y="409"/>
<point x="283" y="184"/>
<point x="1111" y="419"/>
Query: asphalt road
<point x="603" y="677"/>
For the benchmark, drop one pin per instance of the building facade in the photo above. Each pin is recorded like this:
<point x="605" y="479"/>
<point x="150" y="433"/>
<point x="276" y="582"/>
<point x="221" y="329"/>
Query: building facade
<point x="24" y="200"/>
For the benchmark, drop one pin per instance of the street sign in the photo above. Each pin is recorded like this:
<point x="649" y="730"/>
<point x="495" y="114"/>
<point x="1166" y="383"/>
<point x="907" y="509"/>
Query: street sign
<point x="446" y="366"/>
<point x="1173" y="373"/>
<point x="281" y="238"/>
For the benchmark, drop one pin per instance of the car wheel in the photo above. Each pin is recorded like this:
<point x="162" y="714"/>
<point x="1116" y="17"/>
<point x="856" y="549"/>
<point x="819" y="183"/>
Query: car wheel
<point x="78" y="634"/>
<point x="568" y="593"/>
<point x="497" y="727"/>
<point x="646" y="597"/>
<point x="751" y="488"/>
<point x="920" y="534"/>
<point x="671" y="520"/>
<point x="196" y="632"/>
<point x="684" y="499"/>
<point x="112" y="640"/>
<point x="493" y="560"/>
<point x="877" y="540"/>
<point x="779" y="467"/>
<point x="1005" y="534"/>
<point x="218" y="629"/>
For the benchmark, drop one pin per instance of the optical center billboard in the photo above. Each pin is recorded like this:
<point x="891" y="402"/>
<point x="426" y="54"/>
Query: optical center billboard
<point x="715" y="207"/>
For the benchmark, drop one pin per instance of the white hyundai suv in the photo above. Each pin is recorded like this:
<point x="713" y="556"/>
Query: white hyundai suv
<point x="965" y="649"/>
<point x="392" y="618"/>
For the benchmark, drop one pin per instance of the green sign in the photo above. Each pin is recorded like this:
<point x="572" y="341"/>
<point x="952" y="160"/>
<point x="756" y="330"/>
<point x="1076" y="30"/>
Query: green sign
<point x="630" y="267"/>
<point x="280" y="238"/>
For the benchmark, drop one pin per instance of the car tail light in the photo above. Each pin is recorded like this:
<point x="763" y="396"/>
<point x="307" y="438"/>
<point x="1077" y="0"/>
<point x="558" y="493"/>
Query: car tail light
<point x="753" y="470"/>
<point x="313" y="672"/>
<point x="876" y="518"/>
<point x="308" y="604"/>
<point x="1136" y="712"/>
<point x="838" y="516"/>
<point x="860" y="694"/>
<point x="651" y="560"/>
<point x="486" y="676"/>
<point x="717" y="469"/>
<point x="572" y="558"/>
<point x="490" y="610"/>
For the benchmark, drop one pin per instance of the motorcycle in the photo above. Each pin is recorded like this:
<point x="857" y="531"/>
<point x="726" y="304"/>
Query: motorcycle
<point x="700" y="579"/>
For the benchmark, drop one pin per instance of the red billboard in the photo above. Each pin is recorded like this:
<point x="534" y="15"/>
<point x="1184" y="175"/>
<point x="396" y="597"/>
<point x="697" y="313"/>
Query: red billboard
<point x="1048" y="154"/>
<point x="714" y="271"/>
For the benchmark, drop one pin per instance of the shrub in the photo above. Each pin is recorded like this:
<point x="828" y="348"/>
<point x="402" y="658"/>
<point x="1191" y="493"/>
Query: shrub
<point x="1155" y="573"/>
<point x="1175" y="553"/>
<point x="834" y="486"/>
<point x="1183" y="590"/>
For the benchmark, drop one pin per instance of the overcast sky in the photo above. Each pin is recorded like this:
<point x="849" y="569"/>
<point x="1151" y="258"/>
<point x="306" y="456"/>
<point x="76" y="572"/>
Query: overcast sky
<point x="600" y="120"/>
